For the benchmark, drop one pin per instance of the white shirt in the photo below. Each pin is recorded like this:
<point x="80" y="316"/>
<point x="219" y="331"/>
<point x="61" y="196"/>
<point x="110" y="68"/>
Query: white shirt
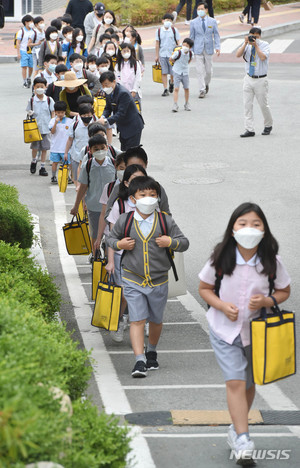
<point x="261" y="67"/>
<point x="81" y="139"/>
<point x="40" y="36"/>
<point x="145" y="225"/>
<point x="42" y="112"/>
<point x="27" y="33"/>
<point x="61" y="135"/>
<point x="49" y="78"/>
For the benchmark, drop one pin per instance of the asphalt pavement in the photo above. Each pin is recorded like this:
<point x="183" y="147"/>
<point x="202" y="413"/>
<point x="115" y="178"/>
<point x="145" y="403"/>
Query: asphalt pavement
<point x="207" y="170"/>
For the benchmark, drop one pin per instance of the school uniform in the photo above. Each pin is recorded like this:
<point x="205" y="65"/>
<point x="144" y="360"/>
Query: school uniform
<point x="49" y="47"/>
<point x="168" y="39"/>
<point x="130" y="77"/>
<point x="99" y="175"/>
<point x="23" y="36"/>
<point x="145" y="268"/>
<point x="39" y="36"/>
<point x="205" y="34"/>
<point x="231" y="340"/>
<point x="79" y="132"/>
<point x="42" y="112"/>
<point x="58" y="140"/>
<point x="181" y="68"/>
<point x="50" y="78"/>
<point x="256" y="84"/>
<point x="104" y="199"/>
<point x="92" y="83"/>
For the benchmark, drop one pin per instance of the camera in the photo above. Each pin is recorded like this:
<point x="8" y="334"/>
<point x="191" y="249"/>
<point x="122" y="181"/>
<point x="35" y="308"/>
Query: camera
<point x="251" y="39"/>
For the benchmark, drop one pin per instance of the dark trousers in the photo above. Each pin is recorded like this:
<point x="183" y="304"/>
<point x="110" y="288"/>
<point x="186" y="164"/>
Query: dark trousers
<point x="188" y="8"/>
<point x="131" y="142"/>
<point x="254" y="7"/>
<point x="210" y="8"/>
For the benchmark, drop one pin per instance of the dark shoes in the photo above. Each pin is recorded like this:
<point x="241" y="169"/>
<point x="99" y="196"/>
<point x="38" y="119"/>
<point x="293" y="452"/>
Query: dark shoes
<point x="267" y="131"/>
<point x="165" y="93"/>
<point x="33" y="167"/>
<point x="152" y="363"/>
<point x="247" y="134"/>
<point x="206" y="89"/>
<point x="171" y="86"/>
<point x="139" y="370"/>
<point x="43" y="172"/>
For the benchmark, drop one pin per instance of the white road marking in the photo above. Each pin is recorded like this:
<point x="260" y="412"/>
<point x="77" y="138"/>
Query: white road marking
<point x="36" y="249"/>
<point x="229" y="45"/>
<point x="112" y="394"/>
<point x="140" y="455"/>
<point x="169" y="351"/>
<point x="213" y="435"/>
<point x="84" y="284"/>
<point x="171" y="387"/>
<point x="278" y="46"/>
<point x="181" y="323"/>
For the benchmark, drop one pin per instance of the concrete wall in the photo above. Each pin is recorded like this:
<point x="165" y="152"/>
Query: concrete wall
<point x="43" y="6"/>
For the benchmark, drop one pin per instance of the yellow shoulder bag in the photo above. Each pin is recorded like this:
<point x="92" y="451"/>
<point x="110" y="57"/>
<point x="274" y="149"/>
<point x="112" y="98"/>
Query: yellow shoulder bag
<point x="107" y="307"/>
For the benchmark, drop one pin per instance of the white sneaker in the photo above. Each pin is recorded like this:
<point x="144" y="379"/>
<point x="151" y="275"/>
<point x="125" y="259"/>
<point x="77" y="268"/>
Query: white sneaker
<point x="175" y="107"/>
<point x="174" y="13"/>
<point x="147" y="328"/>
<point x="187" y="22"/>
<point x="117" y="336"/>
<point x="231" y="436"/>
<point x="243" y="448"/>
<point x="187" y="106"/>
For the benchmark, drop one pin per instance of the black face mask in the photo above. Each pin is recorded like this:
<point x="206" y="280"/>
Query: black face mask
<point x="86" y="120"/>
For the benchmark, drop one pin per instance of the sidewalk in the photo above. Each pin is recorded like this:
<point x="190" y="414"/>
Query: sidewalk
<point x="281" y="19"/>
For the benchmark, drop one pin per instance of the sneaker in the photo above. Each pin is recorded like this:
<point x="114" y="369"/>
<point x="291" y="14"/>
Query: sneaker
<point x="25" y="84"/>
<point x="231" y="436"/>
<point x="241" y="17"/>
<point x="187" y="22"/>
<point x="70" y="181"/>
<point x="54" y="180"/>
<point x="206" y="89"/>
<point x="151" y="357"/>
<point x="187" y="106"/>
<point x="165" y="93"/>
<point x="33" y="167"/>
<point x="139" y="370"/>
<point x="28" y="82"/>
<point x="202" y="95"/>
<point x="175" y="107"/>
<point x="147" y="328"/>
<point x="43" y="172"/>
<point x="243" y="448"/>
<point x="118" y="336"/>
<point x="174" y="13"/>
<point x="171" y="86"/>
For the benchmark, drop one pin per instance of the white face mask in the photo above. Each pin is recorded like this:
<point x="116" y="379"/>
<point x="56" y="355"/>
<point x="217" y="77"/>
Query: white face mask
<point x="71" y="88"/>
<point x="167" y="24"/>
<point x="40" y="91"/>
<point x="248" y="237"/>
<point x="42" y="26"/>
<point x="69" y="36"/>
<point x="130" y="203"/>
<point x="127" y="40"/>
<point x="102" y="69"/>
<point x="185" y="49"/>
<point x="126" y="55"/>
<point x="111" y="52"/>
<point x="108" y="90"/>
<point x="62" y="77"/>
<point x="108" y="20"/>
<point x="79" y="38"/>
<point x="120" y="174"/>
<point x="92" y="67"/>
<point x="53" y="36"/>
<point x="31" y="25"/>
<point x="147" y="205"/>
<point x="201" y="13"/>
<point x="100" y="154"/>
<point x="78" y="66"/>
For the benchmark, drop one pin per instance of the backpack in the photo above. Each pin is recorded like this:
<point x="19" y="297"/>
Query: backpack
<point x="29" y="49"/>
<point x="178" y="49"/>
<point x="89" y="165"/>
<point x="15" y="37"/>
<point x="163" y="225"/>
<point x="174" y="32"/>
<point x="110" y="188"/>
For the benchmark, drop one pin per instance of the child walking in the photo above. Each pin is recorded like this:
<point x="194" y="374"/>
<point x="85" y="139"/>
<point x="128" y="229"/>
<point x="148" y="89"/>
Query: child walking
<point x="244" y="270"/>
<point x="180" y="59"/>
<point x="128" y="71"/>
<point x="22" y="38"/>
<point x="59" y="127"/>
<point x="145" y="267"/>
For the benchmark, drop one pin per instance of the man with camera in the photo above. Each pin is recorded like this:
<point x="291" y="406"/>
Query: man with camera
<point x="256" y="53"/>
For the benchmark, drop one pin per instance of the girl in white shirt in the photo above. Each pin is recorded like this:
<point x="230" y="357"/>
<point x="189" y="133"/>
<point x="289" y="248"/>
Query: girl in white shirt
<point x="128" y="70"/>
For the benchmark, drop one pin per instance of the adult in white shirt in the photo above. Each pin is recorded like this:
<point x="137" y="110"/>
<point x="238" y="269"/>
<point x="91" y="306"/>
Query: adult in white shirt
<point x="92" y="20"/>
<point x="256" y="55"/>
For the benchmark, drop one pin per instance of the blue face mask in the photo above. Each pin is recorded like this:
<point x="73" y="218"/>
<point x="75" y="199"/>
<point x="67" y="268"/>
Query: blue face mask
<point x="201" y="13"/>
<point x="52" y="67"/>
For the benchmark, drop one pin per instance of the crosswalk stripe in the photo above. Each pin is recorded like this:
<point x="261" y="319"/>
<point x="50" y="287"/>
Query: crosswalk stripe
<point x="278" y="46"/>
<point x="229" y="45"/>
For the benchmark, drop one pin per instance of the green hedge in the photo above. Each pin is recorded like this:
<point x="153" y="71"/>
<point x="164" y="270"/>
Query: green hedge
<point x="15" y="220"/>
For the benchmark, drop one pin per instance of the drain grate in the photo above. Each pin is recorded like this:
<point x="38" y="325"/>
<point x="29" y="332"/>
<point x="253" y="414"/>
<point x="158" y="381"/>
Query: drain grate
<point x="281" y="418"/>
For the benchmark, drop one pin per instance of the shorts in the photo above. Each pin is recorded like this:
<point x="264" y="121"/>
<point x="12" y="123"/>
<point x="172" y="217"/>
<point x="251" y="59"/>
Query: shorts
<point x="93" y="223"/>
<point x="42" y="145"/>
<point x="26" y="59"/>
<point x="145" y="302"/>
<point x="117" y="273"/>
<point x="74" y="167"/>
<point x="184" y="79"/>
<point x="234" y="359"/>
<point x="57" y="157"/>
<point x="166" y="67"/>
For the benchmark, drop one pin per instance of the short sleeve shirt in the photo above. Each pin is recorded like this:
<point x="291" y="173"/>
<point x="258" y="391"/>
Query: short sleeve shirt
<point x="60" y="137"/>
<point x="42" y="109"/>
<point x="27" y="33"/>
<point x="81" y="139"/>
<point x="181" y="65"/>
<point x="261" y="66"/>
<point x="245" y="281"/>
<point x="167" y="40"/>
<point x="114" y="215"/>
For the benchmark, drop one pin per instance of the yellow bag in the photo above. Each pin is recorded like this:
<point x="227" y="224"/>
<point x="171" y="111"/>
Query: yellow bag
<point x="99" y="272"/>
<point x="62" y="177"/>
<point x="31" y="130"/>
<point x="77" y="237"/>
<point x="273" y="346"/>
<point x="99" y="105"/>
<point x="137" y="103"/>
<point x="107" y="305"/>
<point x="156" y="73"/>
<point x="83" y="213"/>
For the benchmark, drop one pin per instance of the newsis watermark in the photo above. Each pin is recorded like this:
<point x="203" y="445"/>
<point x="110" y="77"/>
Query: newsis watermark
<point x="260" y="454"/>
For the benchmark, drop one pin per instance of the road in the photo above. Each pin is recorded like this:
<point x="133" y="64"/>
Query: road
<point x="207" y="170"/>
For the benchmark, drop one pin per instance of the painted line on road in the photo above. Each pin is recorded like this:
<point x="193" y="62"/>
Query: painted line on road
<point x="271" y="393"/>
<point x="278" y="46"/>
<point x="171" y="387"/>
<point x="112" y="394"/>
<point x="181" y="323"/>
<point x="229" y="45"/>
<point x="86" y="284"/>
<point x="214" y="435"/>
<point x="169" y="351"/>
